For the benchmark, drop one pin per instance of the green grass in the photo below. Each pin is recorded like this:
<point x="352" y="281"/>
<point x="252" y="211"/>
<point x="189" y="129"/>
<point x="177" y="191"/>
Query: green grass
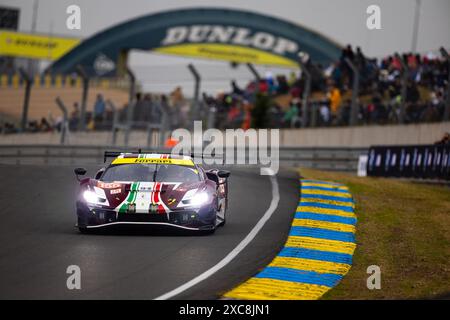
<point x="404" y="228"/>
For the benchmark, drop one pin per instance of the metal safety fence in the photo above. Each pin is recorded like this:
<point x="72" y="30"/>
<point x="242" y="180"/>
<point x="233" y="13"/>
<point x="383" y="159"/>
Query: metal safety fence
<point x="340" y="159"/>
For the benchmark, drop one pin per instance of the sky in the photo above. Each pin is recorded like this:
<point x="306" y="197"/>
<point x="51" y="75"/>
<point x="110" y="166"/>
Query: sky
<point x="344" y="21"/>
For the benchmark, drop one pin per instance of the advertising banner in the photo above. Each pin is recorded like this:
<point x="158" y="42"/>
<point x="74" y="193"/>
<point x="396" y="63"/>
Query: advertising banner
<point x="25" y="45"/>
<point x="421" y="161"/>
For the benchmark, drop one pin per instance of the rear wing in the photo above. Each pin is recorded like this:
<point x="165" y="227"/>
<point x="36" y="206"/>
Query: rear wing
<point x="111" y="154"/>
<point x="115" y="154"/>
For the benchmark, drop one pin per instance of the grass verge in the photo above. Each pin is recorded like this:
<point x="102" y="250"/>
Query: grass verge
<point x="404" y="228"/>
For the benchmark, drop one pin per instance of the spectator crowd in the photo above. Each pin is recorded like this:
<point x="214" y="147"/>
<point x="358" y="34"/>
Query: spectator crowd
<point x="379" y="101"/>
<point x="277" y="101"/>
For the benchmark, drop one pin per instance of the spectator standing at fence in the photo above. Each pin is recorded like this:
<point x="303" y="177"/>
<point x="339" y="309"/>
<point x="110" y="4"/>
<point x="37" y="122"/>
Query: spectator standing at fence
<point x="247" y="121"/>
<point x="335" y="100"/>
<point x="412" y="62"/>
<point x="360" y="59"/>
<point x="292" y="78"/>
<point x="270" y="82"/>
<point x="275" y="116"/>
<point x="430" y="113"/>
<point x="263" y="86"/>
<point x="139" y="109"/>
<point x="396" y="63"/>
<point x="437" y="100"/>
<point x="74" y="117"/>
<point x="324" y="112"/>
<point x="177" y="96"/>
<point x="283" y="85"/>
<point x="142" y="110"/>
<point x="233" y="116"/>
<point x="412" y="99"/>
<point x="347" y="53"/>
<point x="59" y="121"/>
<point x="156" y="111"/>
<point x="99" y="108"/>
<point x="296" y="91"/>
<point x="380" y="112"/>
<point x="235" y="88"/>
<point x="166" y="111"/>
<point x="291" y="116"/>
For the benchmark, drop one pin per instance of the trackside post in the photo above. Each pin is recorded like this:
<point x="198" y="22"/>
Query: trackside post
<point x="64" y="123"/>
<point x="26" y="101"/>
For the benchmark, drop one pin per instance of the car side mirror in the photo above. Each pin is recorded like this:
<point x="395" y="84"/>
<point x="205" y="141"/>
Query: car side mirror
<point x="223" y="174"/>
<point x="80" y="172"/>
<point x="212" y="176"/>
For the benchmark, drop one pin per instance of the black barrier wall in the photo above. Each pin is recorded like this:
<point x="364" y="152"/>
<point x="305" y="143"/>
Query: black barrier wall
<point x="420" y="161"/>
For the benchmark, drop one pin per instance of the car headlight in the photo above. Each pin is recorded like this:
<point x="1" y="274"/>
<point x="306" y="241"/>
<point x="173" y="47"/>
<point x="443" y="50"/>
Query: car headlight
<point x="199" y="199"/>
<point x="92" y="198"/>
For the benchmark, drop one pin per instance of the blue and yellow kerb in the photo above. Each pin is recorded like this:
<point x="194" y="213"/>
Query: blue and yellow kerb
<point x="318" y="251"/>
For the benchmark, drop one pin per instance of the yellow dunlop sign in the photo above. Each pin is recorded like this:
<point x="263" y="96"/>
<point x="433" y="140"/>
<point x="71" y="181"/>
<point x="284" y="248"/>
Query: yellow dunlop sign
<point x="25" y="45"/>
<point x="228" y="52"/>
<point x="182" y="162"/>
<point x="217" y="34"/>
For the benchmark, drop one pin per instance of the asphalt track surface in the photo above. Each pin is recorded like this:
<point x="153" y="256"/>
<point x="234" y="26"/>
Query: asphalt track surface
<point x="38" y="241"/>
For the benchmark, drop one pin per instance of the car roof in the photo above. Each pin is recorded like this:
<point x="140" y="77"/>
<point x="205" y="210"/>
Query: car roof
<point x="159" y="158"/>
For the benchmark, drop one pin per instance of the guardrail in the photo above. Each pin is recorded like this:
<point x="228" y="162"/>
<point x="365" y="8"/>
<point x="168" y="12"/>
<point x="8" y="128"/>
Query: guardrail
<point x="341" y="159"/>
<point x="326" y="158"/>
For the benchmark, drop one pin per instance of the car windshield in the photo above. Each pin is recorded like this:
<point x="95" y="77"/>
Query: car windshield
<point x="151" y="172"/>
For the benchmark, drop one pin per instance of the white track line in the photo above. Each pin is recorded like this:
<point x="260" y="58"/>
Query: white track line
<point x="241" y="246"/>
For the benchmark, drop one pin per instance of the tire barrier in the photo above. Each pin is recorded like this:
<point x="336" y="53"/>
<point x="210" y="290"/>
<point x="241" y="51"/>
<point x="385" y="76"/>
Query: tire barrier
<point x="318" y="251"/>
<point x="421" y="161"/>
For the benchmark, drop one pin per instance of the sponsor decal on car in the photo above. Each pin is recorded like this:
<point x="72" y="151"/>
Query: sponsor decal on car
<point x="116" y="191"/>
<point x="105" y="185"/>
<point x="183" y="162"/>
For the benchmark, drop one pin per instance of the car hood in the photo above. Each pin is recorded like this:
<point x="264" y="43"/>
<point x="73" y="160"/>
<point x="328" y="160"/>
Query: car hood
<point x="162" y="196"/>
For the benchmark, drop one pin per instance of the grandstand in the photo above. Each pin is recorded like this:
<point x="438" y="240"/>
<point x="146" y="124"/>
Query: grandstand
<point x="42" y="101"/>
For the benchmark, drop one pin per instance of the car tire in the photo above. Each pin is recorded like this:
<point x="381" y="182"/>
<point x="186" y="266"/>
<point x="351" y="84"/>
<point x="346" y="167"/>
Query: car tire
<point x="83" y="230"/>
<point x="207" y="232"/>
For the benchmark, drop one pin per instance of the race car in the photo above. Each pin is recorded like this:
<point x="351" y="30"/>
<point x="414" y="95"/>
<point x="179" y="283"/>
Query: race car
<point x="152" y="189"/>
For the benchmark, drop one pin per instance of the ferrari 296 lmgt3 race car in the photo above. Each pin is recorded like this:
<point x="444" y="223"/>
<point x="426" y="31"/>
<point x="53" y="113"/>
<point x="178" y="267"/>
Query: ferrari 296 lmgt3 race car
<point x="152" y="189"/>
